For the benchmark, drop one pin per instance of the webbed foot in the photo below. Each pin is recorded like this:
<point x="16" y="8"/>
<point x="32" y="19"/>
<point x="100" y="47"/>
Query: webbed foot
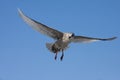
<point x="55" y="56"/>
<point x="61" y="58"/>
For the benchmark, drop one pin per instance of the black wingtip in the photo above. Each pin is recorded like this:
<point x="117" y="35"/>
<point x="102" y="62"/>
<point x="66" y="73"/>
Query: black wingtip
<point x="108" y="39"/>
<point x="113" y="38"/>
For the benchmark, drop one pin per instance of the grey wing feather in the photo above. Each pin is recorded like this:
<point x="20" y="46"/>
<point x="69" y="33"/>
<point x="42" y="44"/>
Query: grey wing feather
<point x="41" y="27"/>
<point x="90" y="39"/>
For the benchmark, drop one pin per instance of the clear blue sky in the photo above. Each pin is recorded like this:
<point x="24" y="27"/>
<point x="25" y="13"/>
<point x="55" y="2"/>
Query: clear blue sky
<point x="24" y="56"/>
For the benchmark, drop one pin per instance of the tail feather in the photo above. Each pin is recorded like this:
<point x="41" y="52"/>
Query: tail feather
<point x="49" y="46"/>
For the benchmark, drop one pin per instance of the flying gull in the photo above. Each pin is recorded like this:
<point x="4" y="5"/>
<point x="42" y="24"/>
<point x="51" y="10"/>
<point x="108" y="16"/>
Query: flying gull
<point x="62" y="40"/>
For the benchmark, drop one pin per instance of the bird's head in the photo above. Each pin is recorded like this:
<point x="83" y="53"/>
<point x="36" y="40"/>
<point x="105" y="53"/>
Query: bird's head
<point x="71" y="35"/>
<point x="68" y="36"/>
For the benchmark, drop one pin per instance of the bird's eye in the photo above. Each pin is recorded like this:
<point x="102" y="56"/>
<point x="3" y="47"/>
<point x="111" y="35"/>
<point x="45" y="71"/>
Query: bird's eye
<point x="70" y="37"/>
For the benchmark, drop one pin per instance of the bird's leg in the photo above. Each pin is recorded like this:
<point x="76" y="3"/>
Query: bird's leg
<point x="55" y="56"/>
<point x="61" y="58"/>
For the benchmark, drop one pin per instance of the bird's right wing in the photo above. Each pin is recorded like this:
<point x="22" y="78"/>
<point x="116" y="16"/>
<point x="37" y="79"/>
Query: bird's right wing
<point x="41" y="27"/>
<point x="90" y="39"/>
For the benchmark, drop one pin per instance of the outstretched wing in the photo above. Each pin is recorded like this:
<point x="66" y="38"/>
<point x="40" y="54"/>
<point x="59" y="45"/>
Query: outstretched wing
<point x="90" y="39"/>
<point x="41" y="27"/>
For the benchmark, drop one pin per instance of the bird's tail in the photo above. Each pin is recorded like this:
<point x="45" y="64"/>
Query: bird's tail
<point x="49" y="46"/>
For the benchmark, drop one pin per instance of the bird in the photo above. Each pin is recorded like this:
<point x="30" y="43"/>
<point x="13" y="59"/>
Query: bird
<point x="61" y="39"/>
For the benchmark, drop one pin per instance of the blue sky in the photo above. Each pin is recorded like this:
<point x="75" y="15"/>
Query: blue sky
<point x="24" y="56"/>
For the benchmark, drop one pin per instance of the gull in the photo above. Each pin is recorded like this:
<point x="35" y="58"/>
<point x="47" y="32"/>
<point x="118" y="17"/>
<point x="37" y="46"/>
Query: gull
<point x="62" y="40"/>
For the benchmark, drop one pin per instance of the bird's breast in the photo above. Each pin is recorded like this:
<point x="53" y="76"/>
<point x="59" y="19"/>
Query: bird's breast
<point x="62" y="44"/>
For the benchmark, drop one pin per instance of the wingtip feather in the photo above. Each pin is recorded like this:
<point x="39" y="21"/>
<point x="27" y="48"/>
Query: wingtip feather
<point x="113" y="38"/>
<point x="108" y="39"/>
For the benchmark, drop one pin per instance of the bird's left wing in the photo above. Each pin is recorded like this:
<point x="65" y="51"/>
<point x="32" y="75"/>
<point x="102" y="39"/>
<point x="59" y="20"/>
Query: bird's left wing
<point x="41" y="27"/>
<point x="90" y="39"/>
